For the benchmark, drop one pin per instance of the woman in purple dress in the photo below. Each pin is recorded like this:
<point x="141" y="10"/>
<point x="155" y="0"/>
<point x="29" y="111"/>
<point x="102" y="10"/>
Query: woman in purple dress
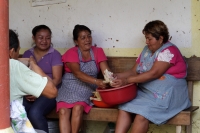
<point x="49" y="60"/>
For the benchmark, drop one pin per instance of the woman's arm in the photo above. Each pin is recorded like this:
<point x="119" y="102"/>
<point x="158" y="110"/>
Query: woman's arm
<point x="34" y="67"/>
<point x="75" y="69"/>
<point x="157" y="70"/>
<point x="50" y="90"/>
<point x="128" y="73"/>
<point x="104" y="66"/>
<point x="57" y="74"/>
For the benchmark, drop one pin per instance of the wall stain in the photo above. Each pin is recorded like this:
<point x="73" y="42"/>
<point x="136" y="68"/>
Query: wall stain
<point x="117" y="40"/>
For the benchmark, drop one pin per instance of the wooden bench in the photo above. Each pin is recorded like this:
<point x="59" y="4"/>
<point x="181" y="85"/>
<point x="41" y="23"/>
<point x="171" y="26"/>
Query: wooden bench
<point x="120" y="64"/>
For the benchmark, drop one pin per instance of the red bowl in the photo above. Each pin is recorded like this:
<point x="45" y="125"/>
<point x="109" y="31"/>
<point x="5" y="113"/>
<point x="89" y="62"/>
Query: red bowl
<point x="101" y="104"/>
<point x="119" y="95"/>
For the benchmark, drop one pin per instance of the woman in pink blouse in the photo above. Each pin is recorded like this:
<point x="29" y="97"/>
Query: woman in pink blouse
<point x="82" y="64"/>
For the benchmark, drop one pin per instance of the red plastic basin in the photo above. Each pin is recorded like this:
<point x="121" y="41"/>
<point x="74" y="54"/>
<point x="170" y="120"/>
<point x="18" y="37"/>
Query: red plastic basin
<point x="101" y="104"/>
<point x="119" y="95"/>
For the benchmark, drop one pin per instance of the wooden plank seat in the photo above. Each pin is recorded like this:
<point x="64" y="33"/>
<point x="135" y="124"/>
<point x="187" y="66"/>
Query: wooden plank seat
<point x="110" y="115"/>
<point x="120" y="64"/>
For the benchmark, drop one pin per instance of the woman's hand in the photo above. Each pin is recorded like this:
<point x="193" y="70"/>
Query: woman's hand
<point x="115" y="75"/>
<point x="100" y="83"/>
<point x="34" y="67"/>
<point x="119" y="82"/>
<point x="32" y="62"/>
<point x="30" y="98"/>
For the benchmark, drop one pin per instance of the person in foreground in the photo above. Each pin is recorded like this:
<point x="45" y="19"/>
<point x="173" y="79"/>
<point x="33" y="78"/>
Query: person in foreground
<point x="82" y="64"/>
<point x="27" y="80"/>
<point x="160" y="73"/>
<point x="49" y="60"/>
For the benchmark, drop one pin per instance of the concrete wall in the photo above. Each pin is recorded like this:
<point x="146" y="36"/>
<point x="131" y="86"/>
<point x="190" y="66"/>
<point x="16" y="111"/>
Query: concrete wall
<point x="115" y="24"/>
<point x="116" y="27"/>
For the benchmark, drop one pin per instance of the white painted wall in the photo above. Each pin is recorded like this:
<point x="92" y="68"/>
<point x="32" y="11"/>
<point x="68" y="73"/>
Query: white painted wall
<point x="115" y="23"/>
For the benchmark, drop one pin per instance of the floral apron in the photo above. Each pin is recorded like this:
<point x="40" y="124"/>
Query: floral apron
<point x="160" y="99"/>
<point x="74" y="90"/>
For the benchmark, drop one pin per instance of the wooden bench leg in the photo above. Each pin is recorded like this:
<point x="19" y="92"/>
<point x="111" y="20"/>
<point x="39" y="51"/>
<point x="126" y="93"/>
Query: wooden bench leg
<point x="189" y="129"/>
<point x="178" y="129"/>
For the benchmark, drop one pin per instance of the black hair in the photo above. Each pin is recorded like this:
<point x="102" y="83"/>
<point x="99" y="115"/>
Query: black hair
<point x="157" y="28"/>
<point x="13" y="40"/>
<point x="78" y="29"/>
<point x="40" y="27"/>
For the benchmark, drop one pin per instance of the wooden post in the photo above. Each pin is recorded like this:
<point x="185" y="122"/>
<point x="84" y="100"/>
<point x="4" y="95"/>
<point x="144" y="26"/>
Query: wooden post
<point x="4" y="70"/>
